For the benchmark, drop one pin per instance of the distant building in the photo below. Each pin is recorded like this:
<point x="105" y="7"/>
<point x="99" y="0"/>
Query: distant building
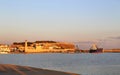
<point x="4" y="48"/>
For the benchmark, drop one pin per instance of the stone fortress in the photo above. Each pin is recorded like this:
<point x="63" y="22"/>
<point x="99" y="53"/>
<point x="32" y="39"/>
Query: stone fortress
<point x="45" y="46"/>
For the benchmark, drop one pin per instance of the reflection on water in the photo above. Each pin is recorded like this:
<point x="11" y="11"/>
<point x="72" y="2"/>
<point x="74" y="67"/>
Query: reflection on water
<point x="86" y="64"/>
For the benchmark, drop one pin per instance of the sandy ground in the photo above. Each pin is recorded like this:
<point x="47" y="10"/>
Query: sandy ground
<point x="7" y="69"/>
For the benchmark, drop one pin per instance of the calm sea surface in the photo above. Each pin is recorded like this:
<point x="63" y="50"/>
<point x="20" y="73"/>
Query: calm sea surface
<point x="85" y="64"/>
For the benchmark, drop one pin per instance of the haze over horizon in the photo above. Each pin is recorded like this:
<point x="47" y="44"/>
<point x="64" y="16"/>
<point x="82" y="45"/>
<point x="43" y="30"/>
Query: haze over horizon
<point x="81" y="21"/>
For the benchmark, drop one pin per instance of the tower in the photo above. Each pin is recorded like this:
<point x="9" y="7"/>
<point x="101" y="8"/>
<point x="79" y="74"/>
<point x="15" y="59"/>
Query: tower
<point x="26" y="45"/>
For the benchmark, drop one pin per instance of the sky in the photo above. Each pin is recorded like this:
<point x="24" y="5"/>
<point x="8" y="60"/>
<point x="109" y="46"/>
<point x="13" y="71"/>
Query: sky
<point x="80" y="21"/>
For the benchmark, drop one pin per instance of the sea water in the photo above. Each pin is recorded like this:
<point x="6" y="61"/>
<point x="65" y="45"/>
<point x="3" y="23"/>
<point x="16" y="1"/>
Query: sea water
<point x="85" y="64"/>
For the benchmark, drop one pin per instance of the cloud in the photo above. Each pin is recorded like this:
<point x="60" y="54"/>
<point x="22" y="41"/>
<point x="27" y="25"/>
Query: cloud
<point x="117" y="37"/>
<point x="85" y="42"/>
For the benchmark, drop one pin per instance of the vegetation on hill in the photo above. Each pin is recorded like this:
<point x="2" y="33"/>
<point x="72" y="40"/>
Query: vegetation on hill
<point x="45" y="42"/>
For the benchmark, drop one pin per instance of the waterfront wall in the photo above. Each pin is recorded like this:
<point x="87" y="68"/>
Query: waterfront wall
<point x="111" y="51"/>
<point x="49" y="50"/>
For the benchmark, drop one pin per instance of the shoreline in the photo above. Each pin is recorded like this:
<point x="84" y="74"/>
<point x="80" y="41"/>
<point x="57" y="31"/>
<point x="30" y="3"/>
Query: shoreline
<point x="9" y="69"/>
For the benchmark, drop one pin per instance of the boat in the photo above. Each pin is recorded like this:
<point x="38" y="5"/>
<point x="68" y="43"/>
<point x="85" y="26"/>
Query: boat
<point x="95" y="49"/>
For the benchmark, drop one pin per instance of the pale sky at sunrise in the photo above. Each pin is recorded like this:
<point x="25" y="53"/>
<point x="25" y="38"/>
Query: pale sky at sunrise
<point x="83" y="21"/>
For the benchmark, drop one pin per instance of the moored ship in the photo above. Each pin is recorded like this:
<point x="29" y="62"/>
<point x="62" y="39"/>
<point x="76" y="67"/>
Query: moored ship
<point x="95" y="49"/>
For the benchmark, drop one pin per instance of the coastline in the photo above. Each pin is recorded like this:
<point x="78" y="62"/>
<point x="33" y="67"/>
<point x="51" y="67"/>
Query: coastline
<point x="8" y="69"/>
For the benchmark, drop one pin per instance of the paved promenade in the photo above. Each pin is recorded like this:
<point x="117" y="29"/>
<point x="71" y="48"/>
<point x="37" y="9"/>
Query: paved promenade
<point x="7" y="69"/>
